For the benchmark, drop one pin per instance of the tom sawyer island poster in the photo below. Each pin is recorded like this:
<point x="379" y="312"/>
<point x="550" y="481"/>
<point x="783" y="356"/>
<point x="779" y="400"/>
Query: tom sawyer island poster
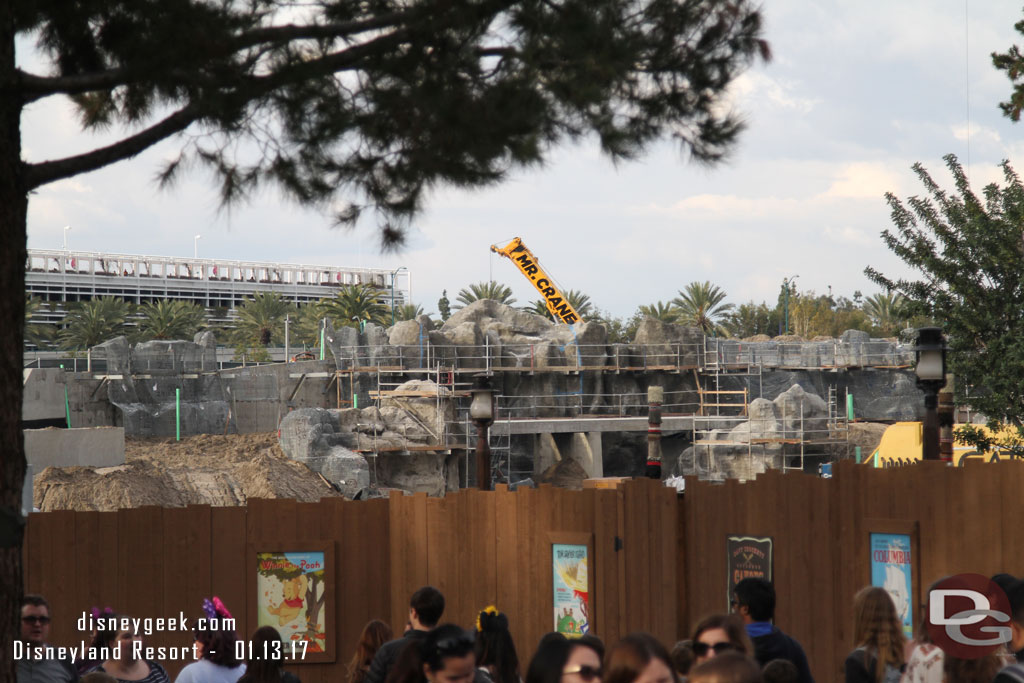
<point x="290" y="596"/>
<point x="571" y="589"/>
<point x="748" y="557"/>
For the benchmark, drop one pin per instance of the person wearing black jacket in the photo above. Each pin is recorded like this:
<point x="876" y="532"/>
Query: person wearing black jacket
<point x="754" y="602"/>
<point x="425" y="609"/>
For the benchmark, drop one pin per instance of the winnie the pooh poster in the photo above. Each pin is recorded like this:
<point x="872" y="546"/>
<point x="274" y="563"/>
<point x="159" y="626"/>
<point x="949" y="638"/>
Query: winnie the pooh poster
<point x="291" y="593"/>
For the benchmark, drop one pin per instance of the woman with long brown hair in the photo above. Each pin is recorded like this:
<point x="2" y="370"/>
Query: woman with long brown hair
<point x="374" y="634"/>
<point x="879" y="657"/>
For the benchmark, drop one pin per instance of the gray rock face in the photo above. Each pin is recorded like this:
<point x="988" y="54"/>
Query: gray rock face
<point x="758" y="444"/>
<point x="327" y="441"/>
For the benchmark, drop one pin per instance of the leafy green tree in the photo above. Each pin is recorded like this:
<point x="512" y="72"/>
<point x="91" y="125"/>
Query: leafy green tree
<point x="354" y="101"/>
<point x="701" y="304"/>
<point x="886" y="311"/>
<point x="1012" y="62"/>
<point x="749" y="319"/>
<point x="444" y="307"/>
<point x="578" y="300"/>
<point x="260" y="320"/>
<point x="967" y="252"/>
<point x="495" y="291"/>
<point x="93" y="322"/>
<point x="354" y="304"/>
<point x="620" y="331"/>
<point x="166" y="319"/>
<point x="666" y="313"/>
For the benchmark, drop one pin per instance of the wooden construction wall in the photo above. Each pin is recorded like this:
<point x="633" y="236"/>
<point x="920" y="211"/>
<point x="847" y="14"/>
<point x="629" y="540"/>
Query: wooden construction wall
<point x="658" y="562"/>
<point x="478" y="548"/>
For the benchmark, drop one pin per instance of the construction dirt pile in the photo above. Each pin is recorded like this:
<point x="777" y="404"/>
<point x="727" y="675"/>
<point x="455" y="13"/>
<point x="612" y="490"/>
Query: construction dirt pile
<point x="203" y="469"/>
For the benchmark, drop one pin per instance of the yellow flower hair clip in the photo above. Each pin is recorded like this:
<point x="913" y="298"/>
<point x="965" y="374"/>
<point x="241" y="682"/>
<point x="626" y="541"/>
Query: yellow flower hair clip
<point x="490" y="609"/>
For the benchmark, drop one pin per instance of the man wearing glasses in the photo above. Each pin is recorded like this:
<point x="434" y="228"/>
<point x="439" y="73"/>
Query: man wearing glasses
<point x="35" y="667"/>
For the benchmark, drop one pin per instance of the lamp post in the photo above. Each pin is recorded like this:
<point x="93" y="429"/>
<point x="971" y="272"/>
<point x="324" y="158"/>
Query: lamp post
<point x="786" y="283"/>
<point x="393" y="274"/>
<point x="195" y="246"/>
<point x="930" y="369"/>
<point x="482" y="412"/>
<point x="66" y="228"/>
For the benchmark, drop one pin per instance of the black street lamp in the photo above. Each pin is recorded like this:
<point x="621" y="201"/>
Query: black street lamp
<point x="930" y="353"/>
<point x="482" y="412"/>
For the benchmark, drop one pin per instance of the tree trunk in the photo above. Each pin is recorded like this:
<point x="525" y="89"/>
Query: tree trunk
<point x="13" y="215"/>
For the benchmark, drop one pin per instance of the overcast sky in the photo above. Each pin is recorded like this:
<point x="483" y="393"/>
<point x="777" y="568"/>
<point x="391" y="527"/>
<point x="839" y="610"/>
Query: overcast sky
<point x="856" y="93"/>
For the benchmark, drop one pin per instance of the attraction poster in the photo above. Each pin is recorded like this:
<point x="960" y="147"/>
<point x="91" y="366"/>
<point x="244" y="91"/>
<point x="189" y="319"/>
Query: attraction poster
<point x="290" y="597"/>
<point x="891" y="568"/>
<point x="748" y="557"/>
<point x="572" y="589"/>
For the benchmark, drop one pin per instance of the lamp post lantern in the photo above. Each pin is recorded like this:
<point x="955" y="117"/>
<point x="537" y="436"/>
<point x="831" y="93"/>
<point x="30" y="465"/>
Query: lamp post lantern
<point x="930" y="353"/>
<point x="482" y="412"/>
<point x="66" y="228"/>
<point x="195" y="246"/>
<point x="393" y="274"/>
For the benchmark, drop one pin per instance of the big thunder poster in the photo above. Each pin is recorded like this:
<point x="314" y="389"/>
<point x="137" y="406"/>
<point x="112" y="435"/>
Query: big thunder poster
<point x="291" y="593"/>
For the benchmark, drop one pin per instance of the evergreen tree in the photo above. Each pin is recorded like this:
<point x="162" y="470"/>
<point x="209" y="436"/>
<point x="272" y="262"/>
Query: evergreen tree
<point x="967" y="250"/>
<point x="369" y="103"/>
<point x="444" y="307"/>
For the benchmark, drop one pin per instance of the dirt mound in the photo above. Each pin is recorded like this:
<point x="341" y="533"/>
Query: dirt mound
<point x="204" y="469"/>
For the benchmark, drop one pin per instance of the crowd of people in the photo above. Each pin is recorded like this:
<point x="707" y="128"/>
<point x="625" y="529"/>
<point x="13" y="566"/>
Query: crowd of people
<point x="744" y="646"/>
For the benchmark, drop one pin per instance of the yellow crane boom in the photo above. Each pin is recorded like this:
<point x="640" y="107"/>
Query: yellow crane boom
<point x="524" y="259"/>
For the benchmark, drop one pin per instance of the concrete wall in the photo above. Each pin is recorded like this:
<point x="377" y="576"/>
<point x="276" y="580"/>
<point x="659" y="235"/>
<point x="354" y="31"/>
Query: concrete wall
<point x="44" y="394"/>
<point x="95" y="447"/>
<point x="261" y="395"/>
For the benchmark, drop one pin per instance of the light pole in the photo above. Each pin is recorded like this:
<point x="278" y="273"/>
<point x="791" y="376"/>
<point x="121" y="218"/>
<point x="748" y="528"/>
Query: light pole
<point x="393" y="274"/>
<point x="931" y="376"/>
<point x="66" y="228"/>
<point x="482" y="412"/>
<point x="195" y="245"/>
<point x="786" y="283"/>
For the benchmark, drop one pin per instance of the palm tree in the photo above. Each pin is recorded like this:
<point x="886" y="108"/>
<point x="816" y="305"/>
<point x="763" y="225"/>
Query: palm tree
<point x="354" y="304"/>
<point x="407" y="312"/>
<point x="495" y="291"/>
<point x="305" y="329"/>
<point x="580" y="302"/>
<point x="167" y="319"/>
<point x="885" y="310"/>
<point x="94" y="322"/>
<point x="261" y="319"/>
<point x="666" y="313"/>
<point x="39" y="335"/>
<point x="700" y="304"/>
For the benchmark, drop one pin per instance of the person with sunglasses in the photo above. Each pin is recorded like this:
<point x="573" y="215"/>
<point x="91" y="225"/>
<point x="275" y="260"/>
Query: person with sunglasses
<point x="639" y="658"/>
<point x="560" y="660"/>
<point x="720" y="633"/>
<point x="34" y="666"/>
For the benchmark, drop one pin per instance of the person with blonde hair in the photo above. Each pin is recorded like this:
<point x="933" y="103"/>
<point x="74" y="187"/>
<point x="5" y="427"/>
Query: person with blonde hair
<point x="879" y="656"/>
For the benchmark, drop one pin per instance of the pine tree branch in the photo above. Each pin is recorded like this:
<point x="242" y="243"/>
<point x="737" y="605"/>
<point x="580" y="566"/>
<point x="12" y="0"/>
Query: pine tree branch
<point x="34" y="87"/>
<point x="49" y="171"/>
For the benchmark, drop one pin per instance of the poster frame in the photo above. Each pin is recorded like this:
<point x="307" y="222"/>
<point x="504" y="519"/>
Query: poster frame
<point x="326" y="547"/>
<point x="583" y="538"/>
<point x="905" y="527"/>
